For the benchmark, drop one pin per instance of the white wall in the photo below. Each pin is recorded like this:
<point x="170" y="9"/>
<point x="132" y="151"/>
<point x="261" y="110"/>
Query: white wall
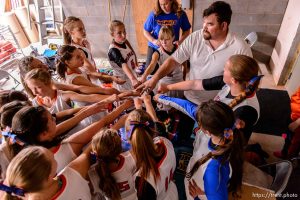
<point x="285" y="40"/>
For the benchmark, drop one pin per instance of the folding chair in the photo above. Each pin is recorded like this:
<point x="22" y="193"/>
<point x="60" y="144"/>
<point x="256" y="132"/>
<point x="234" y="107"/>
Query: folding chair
<point x="281" y="172"/>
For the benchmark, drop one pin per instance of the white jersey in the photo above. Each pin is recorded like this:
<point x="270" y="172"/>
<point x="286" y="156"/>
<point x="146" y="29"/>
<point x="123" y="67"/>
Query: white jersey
<point x="57" y="106"/>
<point x="63" y="154"/>
<point x="5" y="159"/>
<point x="165" y="187"/>
<point x="174" y="77"/>
<point x="124" y="176"/>
<point x="129" y="57"/>
<point x="87" y="50"/>
<point x="252" y="101"/>
<point x="74" y="186"/>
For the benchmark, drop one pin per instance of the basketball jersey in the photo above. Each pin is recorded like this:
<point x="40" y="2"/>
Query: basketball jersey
<point x="124" y="176"/>
<point x="74" y="186"/>
<point x="57" y="106"/>
<point x="63" y="154"/>
<point x="129" y="57"/>
<point x="165" y="187"/>
<point x="176" y="75"/>
<point x="252" y="101"/>
<point x="69" y="77"/>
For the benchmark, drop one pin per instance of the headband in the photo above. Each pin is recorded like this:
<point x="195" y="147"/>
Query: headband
<point x="135" y="124"/>
<point x="12" y="190"/>
<point x="14" y="138"/>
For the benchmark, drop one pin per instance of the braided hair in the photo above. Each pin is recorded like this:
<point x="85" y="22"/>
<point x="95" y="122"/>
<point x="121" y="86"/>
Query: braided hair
<point x="244" y="69"/>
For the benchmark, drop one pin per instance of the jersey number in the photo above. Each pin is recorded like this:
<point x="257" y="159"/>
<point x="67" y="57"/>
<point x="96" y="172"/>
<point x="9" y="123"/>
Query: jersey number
<point x="169" y="179"/>
<point x="123" y="186"/>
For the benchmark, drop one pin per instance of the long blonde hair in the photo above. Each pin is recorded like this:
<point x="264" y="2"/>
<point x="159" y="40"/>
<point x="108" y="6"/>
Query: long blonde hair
<point x="28" y="170"/>
<point x="68" y="26"/>
<point x="107" y="146"/>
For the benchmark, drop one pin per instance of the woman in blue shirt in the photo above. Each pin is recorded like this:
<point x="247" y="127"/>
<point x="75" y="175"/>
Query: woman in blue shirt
<point x="165" y="13"/>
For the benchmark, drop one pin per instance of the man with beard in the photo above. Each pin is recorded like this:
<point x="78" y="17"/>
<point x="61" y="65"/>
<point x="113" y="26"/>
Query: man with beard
<point x="206" y="49"/>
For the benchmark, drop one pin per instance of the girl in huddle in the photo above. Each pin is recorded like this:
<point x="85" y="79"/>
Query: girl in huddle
<point x="68" y="64"/>
<point x="74" y="34"/>
<point x="39" y="180"/>
<point x="112" y="175"/>
<point x="122" y="57"/>
<point x="40" y="83"/>
<point x="217" y="167"/>
<point x="36" y="126"/>
<point x="238" y="90"/>
<point x="166" y="37"/>
<point x="7" y="112"/>
<point x="154" y="157"/>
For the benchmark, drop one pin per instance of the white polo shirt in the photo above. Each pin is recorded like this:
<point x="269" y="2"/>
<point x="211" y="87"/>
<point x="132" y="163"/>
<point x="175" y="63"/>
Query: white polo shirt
<point x="206" y="62"/>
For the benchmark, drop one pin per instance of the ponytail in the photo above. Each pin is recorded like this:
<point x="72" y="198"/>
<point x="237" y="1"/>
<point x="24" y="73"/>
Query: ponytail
<point x="215" y="117"/>
<point x="232" y="152"/>
<point x="141" y="131"/>
<point x="250" y="90"/>
<point x="61" y="69"/>
<point x="107" y="183"/>
<point x="107" y="147"/>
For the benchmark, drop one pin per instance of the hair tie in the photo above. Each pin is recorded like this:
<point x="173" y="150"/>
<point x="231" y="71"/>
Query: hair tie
<point x="14" y="138"/>
<point x="10" y="135"/>
<point x="228" y="132"/>
<point x="135" y="124"/>
<point x="252" y="85"/>
<point x="12" y="190"/>
<point x="93" y="157"/>
<point x="255" y="79"/>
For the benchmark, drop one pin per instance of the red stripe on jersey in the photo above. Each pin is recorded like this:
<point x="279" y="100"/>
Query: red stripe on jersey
<point x="121" y="163"/>
<point x="63" y="187"/>
<point x="165" y="154"/>
<point x="55" y="149"/>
